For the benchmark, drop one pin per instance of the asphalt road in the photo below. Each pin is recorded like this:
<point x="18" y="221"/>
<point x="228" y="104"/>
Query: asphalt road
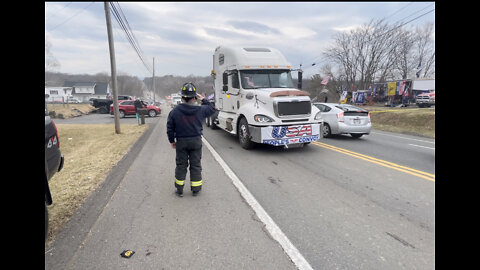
<point x="344" y="203"/>
<point x="340" y="209"/>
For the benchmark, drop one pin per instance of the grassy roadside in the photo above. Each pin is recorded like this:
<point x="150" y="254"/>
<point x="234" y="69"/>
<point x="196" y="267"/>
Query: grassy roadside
<point x="414" y="121"/>
<point x="90" y="152"/>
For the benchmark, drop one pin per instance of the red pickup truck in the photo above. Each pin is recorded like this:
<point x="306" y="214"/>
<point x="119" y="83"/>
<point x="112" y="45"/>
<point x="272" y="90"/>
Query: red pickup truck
<point x="127" y="107"/>
<point x="425" y="100"/>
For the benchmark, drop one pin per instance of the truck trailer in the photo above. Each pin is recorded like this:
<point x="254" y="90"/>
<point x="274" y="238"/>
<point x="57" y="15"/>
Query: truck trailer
<point x="256" y="100"/>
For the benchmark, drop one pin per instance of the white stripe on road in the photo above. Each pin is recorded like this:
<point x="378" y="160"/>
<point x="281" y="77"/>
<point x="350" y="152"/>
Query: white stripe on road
<point x="276" y="233"/>
<point x="401" y="137"/>
<point x="421" y="146"/>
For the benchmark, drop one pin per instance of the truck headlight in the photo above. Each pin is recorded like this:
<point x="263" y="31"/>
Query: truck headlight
<point x="262" y="118"/>
<point x="318" y="116"/>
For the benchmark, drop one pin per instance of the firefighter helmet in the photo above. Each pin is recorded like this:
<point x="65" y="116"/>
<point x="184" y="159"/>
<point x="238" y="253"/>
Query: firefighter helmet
<point x="188" y="90"/>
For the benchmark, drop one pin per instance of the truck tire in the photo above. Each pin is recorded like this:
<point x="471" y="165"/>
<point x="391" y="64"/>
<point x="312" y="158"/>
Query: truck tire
<point x="212" y="120"/>
<point x="212" y="123"/>
<point x="46" y="221"/>
<point x="102" y="110"/>
<point x="244" y="136"/>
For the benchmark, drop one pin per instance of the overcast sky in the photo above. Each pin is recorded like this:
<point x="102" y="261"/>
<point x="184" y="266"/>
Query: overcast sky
<point x="182" y="36"/>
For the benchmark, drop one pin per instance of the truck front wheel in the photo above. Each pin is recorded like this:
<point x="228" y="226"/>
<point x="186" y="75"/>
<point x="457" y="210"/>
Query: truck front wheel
<point x="244" y="136"/>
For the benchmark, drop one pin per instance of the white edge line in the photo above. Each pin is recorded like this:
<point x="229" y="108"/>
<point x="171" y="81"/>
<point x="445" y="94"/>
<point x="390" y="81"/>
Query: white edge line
<point x="421" y="146"/>
<point x="401" y="137"/>
<point x="276" y="233"/>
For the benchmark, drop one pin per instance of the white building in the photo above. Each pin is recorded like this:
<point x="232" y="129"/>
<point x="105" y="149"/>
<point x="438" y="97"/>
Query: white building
<point x="57" y="94"/>
<point x="83" y="91"/>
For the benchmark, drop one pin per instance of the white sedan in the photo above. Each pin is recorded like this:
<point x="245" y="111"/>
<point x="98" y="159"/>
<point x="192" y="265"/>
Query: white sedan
<point x="344" y="119"/>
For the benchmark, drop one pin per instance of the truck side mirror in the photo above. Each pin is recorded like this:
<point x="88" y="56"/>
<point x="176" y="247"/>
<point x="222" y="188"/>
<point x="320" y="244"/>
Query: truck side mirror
<point x="225" y="82"/>
<point x="300" y="72"/>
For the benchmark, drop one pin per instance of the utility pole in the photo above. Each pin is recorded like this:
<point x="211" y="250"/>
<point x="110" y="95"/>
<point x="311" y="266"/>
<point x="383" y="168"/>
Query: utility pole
<point x="153" y="80"/>
<point x="113" y="67"/>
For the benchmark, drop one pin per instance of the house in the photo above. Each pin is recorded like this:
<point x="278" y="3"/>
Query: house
<point x="84" y="91"/>
<point x="57" y="94"/>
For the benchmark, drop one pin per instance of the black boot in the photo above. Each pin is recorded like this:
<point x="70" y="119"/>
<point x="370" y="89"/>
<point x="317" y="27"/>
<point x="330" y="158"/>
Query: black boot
<point x="195" y="193"/>
<point x="179" y="192"/>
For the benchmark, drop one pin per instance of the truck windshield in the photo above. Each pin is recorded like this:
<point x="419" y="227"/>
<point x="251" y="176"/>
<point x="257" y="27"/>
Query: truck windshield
<point x="252" y="79"/>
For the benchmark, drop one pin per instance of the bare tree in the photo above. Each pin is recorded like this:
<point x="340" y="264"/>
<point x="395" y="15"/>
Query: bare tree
<point x="378" y="51"/>
<point x="424" y="52"/>
<point x="51" y="63"/>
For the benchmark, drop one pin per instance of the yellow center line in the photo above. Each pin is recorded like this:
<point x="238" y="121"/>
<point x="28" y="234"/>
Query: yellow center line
<point x="421" y="174"/>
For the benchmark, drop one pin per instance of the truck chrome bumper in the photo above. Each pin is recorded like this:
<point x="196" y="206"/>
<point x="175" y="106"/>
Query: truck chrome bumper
<point x="283" y="135"/>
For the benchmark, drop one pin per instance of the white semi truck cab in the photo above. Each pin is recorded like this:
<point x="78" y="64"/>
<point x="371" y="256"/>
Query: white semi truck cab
<point x="256" y="100"/>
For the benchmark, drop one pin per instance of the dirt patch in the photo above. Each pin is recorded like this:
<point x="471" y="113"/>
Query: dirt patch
<point x="64" y="111"/>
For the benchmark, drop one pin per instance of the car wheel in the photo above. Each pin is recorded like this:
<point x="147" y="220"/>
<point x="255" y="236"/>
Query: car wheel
<point x="121" y="114"/>
<point x="244" y="134"/>
<point x="152" y="113"/>
<point x="327" y="131"/>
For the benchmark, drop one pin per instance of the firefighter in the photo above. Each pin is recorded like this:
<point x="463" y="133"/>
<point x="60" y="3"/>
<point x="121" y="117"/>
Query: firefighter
<point x="184" y="131"/>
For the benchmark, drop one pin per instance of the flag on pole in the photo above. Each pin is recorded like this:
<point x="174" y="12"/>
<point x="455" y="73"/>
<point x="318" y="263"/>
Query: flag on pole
<point x="343" y="96"/>
<point x="391" y="88"/>
<point x="419" y="68"/>
<point x="325" y="80"/>
<point x="402" y="88"/>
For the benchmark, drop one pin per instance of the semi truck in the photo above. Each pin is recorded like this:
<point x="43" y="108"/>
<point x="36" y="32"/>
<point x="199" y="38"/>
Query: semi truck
<point x="256" y="100"/>
<point x="176" y="99"/>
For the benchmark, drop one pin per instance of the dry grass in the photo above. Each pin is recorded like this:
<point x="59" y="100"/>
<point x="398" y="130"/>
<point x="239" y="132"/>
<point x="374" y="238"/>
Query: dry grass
<point x="415" y="121"/>
<point x="90" y="152"/>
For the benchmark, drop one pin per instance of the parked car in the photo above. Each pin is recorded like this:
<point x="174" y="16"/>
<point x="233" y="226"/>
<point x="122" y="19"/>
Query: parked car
<point x="344" y="119"/>
<point x="53" y="160"/>
<point x="103" y="103"/>
<point x="127" y="107"/>
<point x="73" y="100"/>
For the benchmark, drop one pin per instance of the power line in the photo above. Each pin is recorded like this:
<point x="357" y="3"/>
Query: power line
<point x="122" y="21"/>
<point x="57" y="11"/>
<point x="388" y="31"/>
<point x="389" y="15"/>
<point x="55" y="27"/>
<point x="416" y="12"/>
<point x="406" y="22"/>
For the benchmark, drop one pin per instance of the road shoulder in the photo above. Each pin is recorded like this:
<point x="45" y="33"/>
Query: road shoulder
<point x="215" y="230"/>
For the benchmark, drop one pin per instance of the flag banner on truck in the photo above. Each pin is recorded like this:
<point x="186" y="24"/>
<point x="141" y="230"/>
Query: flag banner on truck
<point x="282" y="135"/>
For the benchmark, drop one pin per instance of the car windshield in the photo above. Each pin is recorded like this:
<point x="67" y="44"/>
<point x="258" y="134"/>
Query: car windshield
<point x="252" y="79"/>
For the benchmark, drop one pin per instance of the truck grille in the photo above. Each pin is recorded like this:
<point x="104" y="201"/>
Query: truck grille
<point x="293" y="108"/>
